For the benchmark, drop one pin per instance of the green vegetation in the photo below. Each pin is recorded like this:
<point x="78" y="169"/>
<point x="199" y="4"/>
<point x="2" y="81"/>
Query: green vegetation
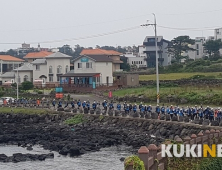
<point x="178" y="76"/>
<point x="27" y="85"/>
<point x="137" y="163"/>
<point x="4" y="110"/>
<point x="189" y="94"/>
<point x="77" y="119"/>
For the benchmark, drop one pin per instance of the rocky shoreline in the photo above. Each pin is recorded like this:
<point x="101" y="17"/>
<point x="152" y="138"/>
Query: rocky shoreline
<point x="97" y="132"/>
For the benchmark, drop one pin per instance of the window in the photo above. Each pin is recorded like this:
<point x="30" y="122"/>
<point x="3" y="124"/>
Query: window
<point x="197" y="52"/>
<point x="50" y="69"/>
<point x="37" y="67"/>
<point x="50" y="78"/>
<point x="132" y="62"/>
<point x="79" y="65"/>
<point x="26" y="78"/>
<point x="59" y="69"/>
<point x="151" y="39"/>
<point x="88" y="65"/>
<point x="67" y="69"/>
<point x="58" y="78"/>
<point x="197" y="46"/>
<point x="97" y="79"/>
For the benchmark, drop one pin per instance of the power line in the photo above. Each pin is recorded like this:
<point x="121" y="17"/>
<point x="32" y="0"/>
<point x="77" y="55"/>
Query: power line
<point x="80" y="38"/>
<point x="190" y="29"/>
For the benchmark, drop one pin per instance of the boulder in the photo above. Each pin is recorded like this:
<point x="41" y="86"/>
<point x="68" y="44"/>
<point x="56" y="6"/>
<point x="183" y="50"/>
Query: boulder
<point x="60" y="109"/>
<point x="29" y="148"/>
<point x="123" y="113"/>
<point x="174" y="118"/>
<point x="74" y="110"/>
<point x="80" y="111"/>
<point x="110" y="112"/>
<point x="206" y="122"/>
<point x="186" y="119"/>
<point x="168" y="117"/>
<point x="104" y="112"/>
<point x="142" y="114"/>
<point x="148" y="115"/>
<point x="154" y="115"/>
<point x="86" y="111"/>
<point x="117" y="113"/>
<point x="180" y="119"/>
<point x="162" y="117"/>
<point x="136" y="114"/>
<point x="91" y="112"/>
<point x="214" y="123"/>
<point x="3" y="157"/>
<point x="98" y="111"/>
<point x="67" y="110"/>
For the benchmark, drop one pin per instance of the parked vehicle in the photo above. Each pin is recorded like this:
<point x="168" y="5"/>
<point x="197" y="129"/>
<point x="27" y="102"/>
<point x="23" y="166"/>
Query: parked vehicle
<point x="8" y="98"/>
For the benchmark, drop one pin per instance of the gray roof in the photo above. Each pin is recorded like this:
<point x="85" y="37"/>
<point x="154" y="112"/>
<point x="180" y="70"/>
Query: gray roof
<point x="97" y="58"/>
<point x="58" y="55"/>
<point x="8" y="75"/>
<point x="39" y="61"/>
<point x="25" y="67"/>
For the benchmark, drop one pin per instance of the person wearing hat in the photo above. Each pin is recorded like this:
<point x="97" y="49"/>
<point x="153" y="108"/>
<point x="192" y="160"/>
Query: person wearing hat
<point x="73" y="104"/>
<point x="84" y="104"/>
<point x="79" y="104"/>
<point x="111" y="105"/>
<point x="118" y="106"/>
<point x="149" y="109"/>
<point x="94" y="105"/>
<point x="127" y="109"/>
<point x="134" y="108"/>
<point x="140" y="105"/>
<point x="124" y="105"/>
<point x="167" y="110"/>
<point x="53" y="103"/>
<point x="163" y="109"/>
<point x="130" y="107"/>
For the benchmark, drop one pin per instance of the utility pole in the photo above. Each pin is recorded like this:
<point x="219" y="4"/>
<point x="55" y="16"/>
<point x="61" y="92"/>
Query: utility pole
<point x="17" y="83"/>
<point x="157" y="63"/>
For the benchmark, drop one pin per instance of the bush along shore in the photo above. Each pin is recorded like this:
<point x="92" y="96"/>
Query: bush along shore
<point x="76" y="134"/>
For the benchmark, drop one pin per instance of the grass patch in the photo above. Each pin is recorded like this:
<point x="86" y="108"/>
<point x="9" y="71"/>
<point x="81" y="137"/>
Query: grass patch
<point x="177" y="76"/>
<point x="77" y="119"/>
<point x="4" y="110"/>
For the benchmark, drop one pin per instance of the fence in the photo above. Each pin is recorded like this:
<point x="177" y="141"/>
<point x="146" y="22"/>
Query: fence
<point x="153" y="160"/>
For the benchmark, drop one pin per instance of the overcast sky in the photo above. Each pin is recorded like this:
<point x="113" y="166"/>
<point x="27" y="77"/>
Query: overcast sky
<point x="33" y="21"/>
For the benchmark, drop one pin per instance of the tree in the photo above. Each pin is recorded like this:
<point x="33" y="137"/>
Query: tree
<point x="179" y="45"/>
<point x="125" y="66"/>
<point x="27" y="85"/>
<point x="212" y="47"/>
<point x="66" y="49"/>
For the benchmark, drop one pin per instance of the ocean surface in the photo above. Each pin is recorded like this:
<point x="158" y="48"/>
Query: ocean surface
<point x="105" y="159"/>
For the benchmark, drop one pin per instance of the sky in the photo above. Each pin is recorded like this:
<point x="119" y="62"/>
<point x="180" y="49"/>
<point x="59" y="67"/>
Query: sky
<point x="53" y="23"/>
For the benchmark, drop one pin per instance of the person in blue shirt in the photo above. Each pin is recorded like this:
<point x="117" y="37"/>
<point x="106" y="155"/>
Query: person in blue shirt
<point x="94" y="105"/>
<point x="168" y="110"/>
<point x="84" y="104"/>
<point x="158" y="109"/>
<point x="60" y="104"/>
<point x="118" y="107"/>
<point x="105" y="106"/>
<point x="163" y="109"/>
<point x="219" y="115"/>
<point x="134" y="108"/>
<point x="111" y="105"/>
<point x="181" y="112"/>
<point x="127" y="109"/>
<point x="200" y="112"/>
<point x="142" y="110"/>
<point x="73" y="104"/>
<point x="79" y="104"/>
<point x="88" y="105"/>
<point x="124" y="105"/>
<point x="149" y="108"/>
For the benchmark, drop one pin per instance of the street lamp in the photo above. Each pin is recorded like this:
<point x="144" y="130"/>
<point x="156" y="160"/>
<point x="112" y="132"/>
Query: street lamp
<point x="157" y="63"/>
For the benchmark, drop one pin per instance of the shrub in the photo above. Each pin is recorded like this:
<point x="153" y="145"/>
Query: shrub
<point x="77" y="119"/>
<point x="137" y="162"/>
<point x="27" y="85"/>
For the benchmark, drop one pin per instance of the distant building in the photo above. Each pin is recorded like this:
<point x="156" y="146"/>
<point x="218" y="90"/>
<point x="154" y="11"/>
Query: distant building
<point x="30" y="57"/>
<point x="164" y="57"/>
<point x="141" y="53"/>
<point x="218" y="33"/>
<point x="198" y="47"/>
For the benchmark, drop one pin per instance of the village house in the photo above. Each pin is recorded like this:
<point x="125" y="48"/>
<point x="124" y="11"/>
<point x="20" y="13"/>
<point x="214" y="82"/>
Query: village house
<point x="90" y="71"/>
<point x="114" y="55"/>
<point x="30" y="57"/>
<point x="7" y="64"/>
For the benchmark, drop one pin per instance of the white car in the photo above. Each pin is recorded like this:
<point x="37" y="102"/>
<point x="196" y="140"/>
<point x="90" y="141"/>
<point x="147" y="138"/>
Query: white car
<point x="8" y="98"/>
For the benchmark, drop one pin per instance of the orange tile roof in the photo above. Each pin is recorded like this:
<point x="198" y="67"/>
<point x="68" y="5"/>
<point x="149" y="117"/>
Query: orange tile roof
<point x="10" y="58"/>
<point x="99" y="52"/>
<point x="41" y="54"/>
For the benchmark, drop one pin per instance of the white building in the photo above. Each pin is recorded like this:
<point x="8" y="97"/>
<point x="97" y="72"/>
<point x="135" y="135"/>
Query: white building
<point x="45" y="70"/>
<point x="198" y="47"/>
<point x="164" y="57"/>
<point x="141" y="53"/>
<point x="91" y="71"/>
<point x="218" y="33"/>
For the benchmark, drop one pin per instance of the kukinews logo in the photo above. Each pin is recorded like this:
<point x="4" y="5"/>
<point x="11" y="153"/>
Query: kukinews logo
<point x="195" y="150"/>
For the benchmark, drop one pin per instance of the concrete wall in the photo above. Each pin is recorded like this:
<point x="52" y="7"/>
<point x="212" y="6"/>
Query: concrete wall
<point x="22" y="74"/>
<point x="42" y="71"/>
<point x="55" y="63"/>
